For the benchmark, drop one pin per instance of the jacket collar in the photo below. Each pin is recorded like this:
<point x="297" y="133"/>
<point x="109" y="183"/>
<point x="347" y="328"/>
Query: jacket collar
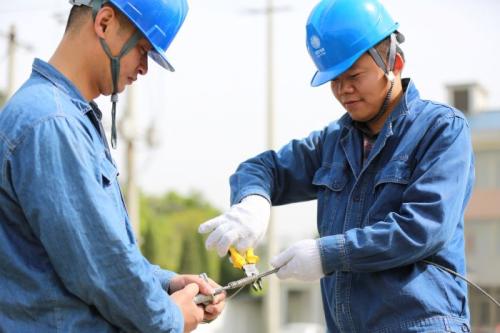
<point x="50" y="73"/>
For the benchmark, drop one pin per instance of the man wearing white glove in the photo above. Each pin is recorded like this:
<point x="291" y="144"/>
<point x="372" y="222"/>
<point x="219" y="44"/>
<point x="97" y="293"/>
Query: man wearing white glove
<point x="392" y="179"/>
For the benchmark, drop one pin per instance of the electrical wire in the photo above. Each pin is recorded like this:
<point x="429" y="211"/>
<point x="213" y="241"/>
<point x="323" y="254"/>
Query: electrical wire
<point x="465" y="279"/>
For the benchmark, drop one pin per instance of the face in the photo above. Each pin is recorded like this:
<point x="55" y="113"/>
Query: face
<point x="362" y="89"/>
<point x="116" y="34"/>
<point x="133" y="64"/>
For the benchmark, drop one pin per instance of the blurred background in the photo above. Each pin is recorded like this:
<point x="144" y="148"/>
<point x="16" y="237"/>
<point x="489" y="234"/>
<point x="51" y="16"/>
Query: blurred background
<point x="241" y="86"/>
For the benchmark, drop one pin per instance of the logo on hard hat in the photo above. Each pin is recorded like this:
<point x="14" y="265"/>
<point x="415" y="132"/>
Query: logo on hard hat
<point x="315" y="42"/>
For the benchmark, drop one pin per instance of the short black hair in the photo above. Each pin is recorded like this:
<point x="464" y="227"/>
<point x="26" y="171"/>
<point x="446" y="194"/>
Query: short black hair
<point x="79" y="14"/>
<point x="77" y="17"/>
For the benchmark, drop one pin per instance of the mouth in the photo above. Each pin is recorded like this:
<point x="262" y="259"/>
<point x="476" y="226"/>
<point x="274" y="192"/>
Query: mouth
<point x="350" y="104"/>
<point x="130" y="80"/>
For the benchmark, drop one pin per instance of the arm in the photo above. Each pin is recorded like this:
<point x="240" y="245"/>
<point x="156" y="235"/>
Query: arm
<point x="82" y="228"/>
<point x="282" y="177"/>
<point x="431" y="208"/>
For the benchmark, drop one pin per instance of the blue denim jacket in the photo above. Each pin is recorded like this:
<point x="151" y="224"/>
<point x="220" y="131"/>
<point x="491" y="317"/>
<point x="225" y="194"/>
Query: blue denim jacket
<point x="378" y="221"/>
<point x="68" y="259"/>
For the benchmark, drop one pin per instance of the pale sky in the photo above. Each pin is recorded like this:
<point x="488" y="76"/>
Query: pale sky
<point x="210" y="113"/>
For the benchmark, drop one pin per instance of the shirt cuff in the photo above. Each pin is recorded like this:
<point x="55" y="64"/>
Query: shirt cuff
<point x="250" y="191"/>
<point x="163" y="276"/>
<point x="334" y="256"/>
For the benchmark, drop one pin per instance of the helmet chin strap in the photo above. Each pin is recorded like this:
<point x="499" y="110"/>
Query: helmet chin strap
<point x="115" y="68"/>
<point x="389" y="74"/>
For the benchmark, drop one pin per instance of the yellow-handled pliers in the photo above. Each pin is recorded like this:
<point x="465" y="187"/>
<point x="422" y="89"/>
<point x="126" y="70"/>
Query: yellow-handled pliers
<point x="247" y="263"/>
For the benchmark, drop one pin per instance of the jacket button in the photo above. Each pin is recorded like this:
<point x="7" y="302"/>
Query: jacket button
<point x="357" y="198"/>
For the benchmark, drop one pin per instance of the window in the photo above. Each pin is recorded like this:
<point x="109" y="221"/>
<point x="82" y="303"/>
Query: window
<point x="488" y="169"/>
<point x="461" y="100"/>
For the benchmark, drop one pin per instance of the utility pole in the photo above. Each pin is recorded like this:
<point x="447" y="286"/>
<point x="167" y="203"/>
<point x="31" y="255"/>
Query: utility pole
<point x="128" y="126"/>
<point x="12" y="45"/>
<point x="11" y="54"/>
<point x="272" y="308"/>
<point x="272" y="304"/>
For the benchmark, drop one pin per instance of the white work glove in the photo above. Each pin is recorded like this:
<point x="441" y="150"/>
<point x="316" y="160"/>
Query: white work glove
<point x="242" y="226"/>
<point x="301" y="261"/>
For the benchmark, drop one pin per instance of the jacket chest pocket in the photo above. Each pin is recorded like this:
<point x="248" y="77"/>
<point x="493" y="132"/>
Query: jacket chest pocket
<point x="331" y="181"/>
<point x="109" y="177"/>
<point x="109" y="174"/>
<point x="390" y="184"/>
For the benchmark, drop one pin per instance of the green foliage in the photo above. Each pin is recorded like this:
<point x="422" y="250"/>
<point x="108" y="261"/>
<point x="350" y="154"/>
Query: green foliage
<point x="169" y="229"/>
<point x="3" y="99"/>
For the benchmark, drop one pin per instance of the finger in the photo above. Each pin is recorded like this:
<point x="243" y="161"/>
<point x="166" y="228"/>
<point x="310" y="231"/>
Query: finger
<point x="199" y="313"/>
<point x="205" y="287"/>
<point x="212" y="311"/>
<point x="176" y="283"/>
<point x="212" y="224"/>
<point x="282" y="258"/>
<point x="215" y="236"/>
<point x="226" y="241"/>
<point x="191" y="289"/>
<point x="219" y="299"/>
<point x="244" y="244"/>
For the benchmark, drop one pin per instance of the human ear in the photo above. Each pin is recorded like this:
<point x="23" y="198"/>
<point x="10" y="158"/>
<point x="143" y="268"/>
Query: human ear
<point x="102" y="21"/>
<point x="399" y="64"/>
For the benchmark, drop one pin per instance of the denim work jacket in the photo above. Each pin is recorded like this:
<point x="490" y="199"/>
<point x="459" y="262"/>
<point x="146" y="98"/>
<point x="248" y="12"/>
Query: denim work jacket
<point x="378" y="221"/>
<point x="68" y="258"/>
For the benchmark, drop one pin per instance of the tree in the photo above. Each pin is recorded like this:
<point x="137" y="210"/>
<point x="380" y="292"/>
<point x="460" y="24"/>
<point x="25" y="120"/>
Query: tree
<point x="169" y="229"/>
<point x="3" y="98"/>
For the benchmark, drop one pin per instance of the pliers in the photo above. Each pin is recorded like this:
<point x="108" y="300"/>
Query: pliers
<point x="247" y="262"/>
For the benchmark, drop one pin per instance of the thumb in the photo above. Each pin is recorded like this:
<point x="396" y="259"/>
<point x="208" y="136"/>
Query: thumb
<point x="283" y="258"/>
<point x="192" y="289"/>
<point x="210" y="225"/>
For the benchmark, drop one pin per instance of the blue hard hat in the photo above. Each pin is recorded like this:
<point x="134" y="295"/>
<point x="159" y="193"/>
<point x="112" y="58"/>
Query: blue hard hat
<point x="339" y="32"/>
<point x="158" y="20"/>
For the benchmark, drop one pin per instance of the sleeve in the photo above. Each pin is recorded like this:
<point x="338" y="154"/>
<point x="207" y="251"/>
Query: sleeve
<point x="281" y="177"/>
<point x="431" y="208"/>
<point x="163" y="275"/>
<point x="68" y="204"/>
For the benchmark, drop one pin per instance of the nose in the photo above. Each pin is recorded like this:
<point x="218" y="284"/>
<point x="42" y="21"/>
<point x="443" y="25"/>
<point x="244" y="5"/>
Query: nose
<point x="143" y="66"/>
<point x="341" y="86"/>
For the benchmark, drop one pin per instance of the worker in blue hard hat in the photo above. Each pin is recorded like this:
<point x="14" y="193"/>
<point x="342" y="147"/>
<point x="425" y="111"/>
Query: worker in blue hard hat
<point x="69" y="260"/>
<point x="391" y="177"/>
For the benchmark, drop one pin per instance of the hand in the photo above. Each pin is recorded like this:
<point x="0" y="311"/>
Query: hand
<point x="192" y="313"/>
<point x="211" y="311"/>
<point x="243" y="225"/>
<point x="301" y="261"/>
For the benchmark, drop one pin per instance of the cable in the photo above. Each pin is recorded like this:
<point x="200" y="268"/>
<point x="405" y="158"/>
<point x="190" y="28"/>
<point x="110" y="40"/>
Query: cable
<point x="465" y="279"/>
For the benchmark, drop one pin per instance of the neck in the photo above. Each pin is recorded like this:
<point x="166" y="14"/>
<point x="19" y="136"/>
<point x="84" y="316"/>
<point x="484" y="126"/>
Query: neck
<point x="397" y="92"/>
<point x="71" y="60"/>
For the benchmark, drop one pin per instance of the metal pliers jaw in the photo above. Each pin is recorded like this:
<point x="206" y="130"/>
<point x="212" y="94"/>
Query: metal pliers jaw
<point x="247" y="263"/>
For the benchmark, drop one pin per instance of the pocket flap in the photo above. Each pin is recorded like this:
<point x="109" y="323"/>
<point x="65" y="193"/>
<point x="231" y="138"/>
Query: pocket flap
<point x="396" y="171"/>
<point x="333" y="177"/>
<point x="108" y="171"/>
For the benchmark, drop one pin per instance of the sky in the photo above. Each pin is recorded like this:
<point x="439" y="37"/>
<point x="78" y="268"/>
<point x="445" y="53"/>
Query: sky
<point x="210" y="114"/>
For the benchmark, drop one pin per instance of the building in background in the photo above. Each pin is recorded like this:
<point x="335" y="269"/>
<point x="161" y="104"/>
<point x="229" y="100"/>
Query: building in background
<point x="482" y="218"/>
